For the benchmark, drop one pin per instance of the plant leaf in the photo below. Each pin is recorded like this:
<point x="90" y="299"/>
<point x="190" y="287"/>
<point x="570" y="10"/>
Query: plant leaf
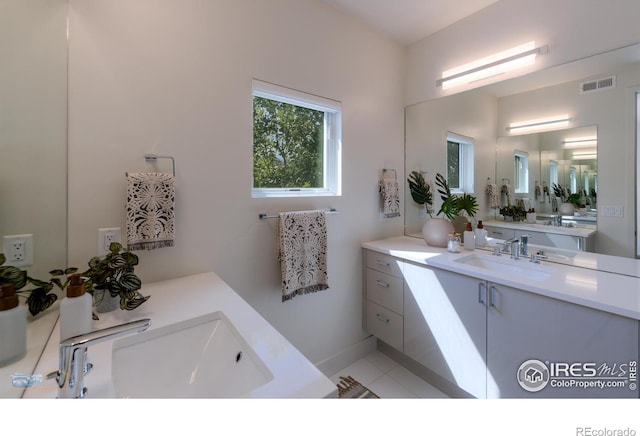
<point x="39" y="300"/>
<point x="13" y="275"/>
<point x="130" y="281"/>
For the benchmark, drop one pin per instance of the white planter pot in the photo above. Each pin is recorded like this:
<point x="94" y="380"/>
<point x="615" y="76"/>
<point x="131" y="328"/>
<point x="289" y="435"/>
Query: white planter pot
<point x="566" y="209"/>
<point x="435" y="232"/>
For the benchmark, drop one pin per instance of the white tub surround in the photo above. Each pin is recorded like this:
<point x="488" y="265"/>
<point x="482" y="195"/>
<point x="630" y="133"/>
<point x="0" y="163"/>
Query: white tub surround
<point x="176" y="300"/>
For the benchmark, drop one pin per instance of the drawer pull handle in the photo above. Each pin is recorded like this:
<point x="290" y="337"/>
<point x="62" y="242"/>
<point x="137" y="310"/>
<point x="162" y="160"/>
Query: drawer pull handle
<point x="382" y="318"/>
<point x="496" y="232"/>
<point x="482" y="294"/>
<point x="383" y="284"/>
<point x="382" y="263"/>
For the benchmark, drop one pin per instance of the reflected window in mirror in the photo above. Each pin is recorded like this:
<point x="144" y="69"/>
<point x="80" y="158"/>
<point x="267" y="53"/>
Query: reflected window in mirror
<point x="553" y="172"/>
<point x="573" y="182"/>
<point x="521" y="172"/>
<point x="460" y="163"/>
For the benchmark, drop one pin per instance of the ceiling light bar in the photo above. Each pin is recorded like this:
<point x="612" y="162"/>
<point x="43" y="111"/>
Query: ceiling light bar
<point x="549" y="123"/>
<point x="492" y="65"/>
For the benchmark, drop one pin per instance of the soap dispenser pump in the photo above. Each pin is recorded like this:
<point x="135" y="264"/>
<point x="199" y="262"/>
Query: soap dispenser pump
<point x="13" y="326"/>
<point x="75" y="309"/>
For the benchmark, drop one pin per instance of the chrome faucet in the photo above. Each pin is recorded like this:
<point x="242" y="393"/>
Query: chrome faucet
<point x="512" y="245"/>
<point x="72" y="365"/>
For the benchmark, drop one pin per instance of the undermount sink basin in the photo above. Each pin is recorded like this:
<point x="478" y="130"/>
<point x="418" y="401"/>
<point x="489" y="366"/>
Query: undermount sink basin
<point x="203" y="357"/>
<point x="521" y="268"/>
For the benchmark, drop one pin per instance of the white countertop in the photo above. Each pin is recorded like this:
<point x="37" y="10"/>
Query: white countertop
<point x="617" y="293"/>
<point x="188" y="297"/>
<point x="580" y="229"/>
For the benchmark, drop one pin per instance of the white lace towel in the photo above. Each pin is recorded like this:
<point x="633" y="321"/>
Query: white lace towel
<point x="150" y="210"/>
<point x="389" y="192"/>
<point x="303" y="252"/>
<point x="492" y="192"/>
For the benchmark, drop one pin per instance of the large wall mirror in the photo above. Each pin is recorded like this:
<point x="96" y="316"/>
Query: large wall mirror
<point x="536" y="163"/>
<point x="602" y="170"/>
<point x="33" y="141"/>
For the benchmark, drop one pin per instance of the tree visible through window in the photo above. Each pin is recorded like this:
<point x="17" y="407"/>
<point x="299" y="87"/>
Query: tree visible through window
<point x="288" y="142"/>
<point x="296" y="143"/>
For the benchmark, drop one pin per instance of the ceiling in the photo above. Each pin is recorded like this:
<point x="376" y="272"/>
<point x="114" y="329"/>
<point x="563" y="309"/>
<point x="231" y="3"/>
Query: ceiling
<point x="409" y="21"/>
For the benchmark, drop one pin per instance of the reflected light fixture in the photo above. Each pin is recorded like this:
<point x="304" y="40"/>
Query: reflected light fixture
<point x="493" y="65"/>
<point x="583" y="155"/>
<point x="580" y="142"/>
<point x="548" y="123"/>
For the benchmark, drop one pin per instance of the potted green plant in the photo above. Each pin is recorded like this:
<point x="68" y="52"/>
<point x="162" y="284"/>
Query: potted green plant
<point x="513" y="213"/>
<point x="40" y="296"/>
<point x="456" y="207"/>
<point x="112" y="280"/>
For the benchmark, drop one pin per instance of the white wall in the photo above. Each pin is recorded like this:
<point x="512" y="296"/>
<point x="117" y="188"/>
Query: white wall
<point x="573" y="29"/>
<point x="174" y="77"/>
<point x="33" y="134"/>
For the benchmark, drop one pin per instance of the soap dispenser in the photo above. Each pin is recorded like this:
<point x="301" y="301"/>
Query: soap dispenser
<point x="469" y="238"/>
<point x="13" y="326"/>
<point x="75" y="309"/>
<point x="481" y="235"/>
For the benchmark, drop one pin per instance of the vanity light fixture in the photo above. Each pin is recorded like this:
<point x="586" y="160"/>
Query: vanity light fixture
<point x="493" y="65"/>
<point x="580" y="142"/>
<point x="549" y="123"/>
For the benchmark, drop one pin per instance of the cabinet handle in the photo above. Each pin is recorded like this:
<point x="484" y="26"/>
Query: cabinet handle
<point x="382" y="318"/>
<point x="383" y="284"/>
<point x="492" y="296"/>
<point x="496" y="232"/>
<point x="482" y="293"/>
<point x="382" y="263"/>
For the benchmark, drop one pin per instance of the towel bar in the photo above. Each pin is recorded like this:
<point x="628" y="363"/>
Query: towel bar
<point x="264" y="216"/>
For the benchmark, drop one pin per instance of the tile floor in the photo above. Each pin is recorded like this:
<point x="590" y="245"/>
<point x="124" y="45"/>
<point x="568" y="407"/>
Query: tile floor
<point x="388" y="379"/>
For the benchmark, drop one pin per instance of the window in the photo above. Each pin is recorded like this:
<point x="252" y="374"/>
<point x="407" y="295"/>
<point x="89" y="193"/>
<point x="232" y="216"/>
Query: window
<point x="296" y="143"/>
<point x="521" y="172"/>
<point x="553" y="173"/>
<point x="573" y="181"/>
<point x="459" y="163"/>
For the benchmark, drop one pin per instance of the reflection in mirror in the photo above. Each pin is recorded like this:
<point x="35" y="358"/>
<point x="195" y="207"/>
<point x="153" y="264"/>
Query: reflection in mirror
<point x="539" y="162"/>
<point x="33" y="140"/>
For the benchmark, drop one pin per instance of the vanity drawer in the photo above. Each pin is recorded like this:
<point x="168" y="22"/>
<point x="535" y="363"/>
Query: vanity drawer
<point x="385" y="290"/>
<point x="385" y="325"/>
<point x="499" y="232"/>
<point x="383" y="263"/>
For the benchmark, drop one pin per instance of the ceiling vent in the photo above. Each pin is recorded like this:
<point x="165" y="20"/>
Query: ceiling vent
<point x="598" y="84"/>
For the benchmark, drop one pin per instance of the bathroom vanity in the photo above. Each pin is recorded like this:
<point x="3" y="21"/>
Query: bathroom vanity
<point x="474" y="323"/>
<point x="205" y="341"/>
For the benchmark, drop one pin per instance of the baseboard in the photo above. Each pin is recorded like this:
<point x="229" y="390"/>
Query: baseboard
<point x="344" y="358"/>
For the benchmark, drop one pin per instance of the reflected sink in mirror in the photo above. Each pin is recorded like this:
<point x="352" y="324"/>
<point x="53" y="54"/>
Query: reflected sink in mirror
<point x="203" y="357"/>
<point x="521" y="269"/>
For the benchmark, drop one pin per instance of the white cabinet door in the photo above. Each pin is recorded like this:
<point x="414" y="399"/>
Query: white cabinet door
<point x="522" y="326"/>
<point x="445" y="325"/>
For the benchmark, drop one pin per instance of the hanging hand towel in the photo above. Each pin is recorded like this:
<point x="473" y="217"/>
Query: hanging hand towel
<point x="389" y="192"/>
<point x="492" y="191"/>
<point x="303" y="252"/>
<point x="150" y="210"/>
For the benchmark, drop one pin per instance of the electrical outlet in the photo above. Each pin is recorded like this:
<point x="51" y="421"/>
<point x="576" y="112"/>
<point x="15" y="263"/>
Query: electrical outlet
<point x="18" y="250"/>
<point x="106" y="237"/>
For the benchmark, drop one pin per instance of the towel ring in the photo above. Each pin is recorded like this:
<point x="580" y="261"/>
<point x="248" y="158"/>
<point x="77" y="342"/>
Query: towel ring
<point x="152" y="158"/>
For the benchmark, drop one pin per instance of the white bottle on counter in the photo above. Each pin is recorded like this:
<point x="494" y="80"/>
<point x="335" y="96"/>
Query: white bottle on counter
<point x="13" y="326"/>
<point x="469" y="238"/>
<point x="75" y="310"/>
